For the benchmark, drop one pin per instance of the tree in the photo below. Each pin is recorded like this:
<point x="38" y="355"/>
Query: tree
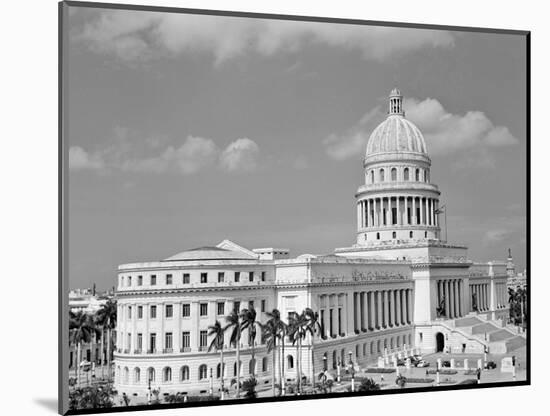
<point x="281" y="330"/>
<point x="91" y="398"/>
<point x="368" y="384"/>
<point x="81" y="327"/>
<point x="248" y="321"/>
<point x="313" y="328"/>
<point x="217" y="343"/>
<point x="234" y="324"/>
<point x="297" y="324"/>
<point x="249" y="386"/>
<point x="107" y="317"/>
<point x="269" y="338"/>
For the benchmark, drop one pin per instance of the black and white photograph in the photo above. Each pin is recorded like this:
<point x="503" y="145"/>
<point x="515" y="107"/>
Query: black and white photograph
<point x="264" y="208"/>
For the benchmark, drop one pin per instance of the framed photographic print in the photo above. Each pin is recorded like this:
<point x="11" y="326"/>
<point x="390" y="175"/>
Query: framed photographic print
<point x="265" y="208"/>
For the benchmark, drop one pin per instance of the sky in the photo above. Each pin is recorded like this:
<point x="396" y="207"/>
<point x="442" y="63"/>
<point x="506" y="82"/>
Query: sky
<point x="184" y="130"/>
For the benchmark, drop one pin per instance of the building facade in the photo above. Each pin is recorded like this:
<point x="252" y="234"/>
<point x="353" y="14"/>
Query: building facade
<point x="400" y="286"/>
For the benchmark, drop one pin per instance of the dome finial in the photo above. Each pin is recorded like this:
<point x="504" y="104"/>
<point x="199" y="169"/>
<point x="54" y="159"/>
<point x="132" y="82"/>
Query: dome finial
<point x="396" y="103"/>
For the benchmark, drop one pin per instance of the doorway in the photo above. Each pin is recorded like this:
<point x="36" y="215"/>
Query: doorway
<point x="439" y="342"/>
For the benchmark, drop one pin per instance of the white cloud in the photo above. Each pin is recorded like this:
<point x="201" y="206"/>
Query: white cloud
<point x="79" y="159"/>
<point x="133" y="35"/>
<point x="240" y="156"/>
<point x="445" y="133"/>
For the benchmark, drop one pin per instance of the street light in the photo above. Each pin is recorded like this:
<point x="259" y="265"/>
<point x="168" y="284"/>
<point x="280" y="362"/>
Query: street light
<point x="352" y="371"/>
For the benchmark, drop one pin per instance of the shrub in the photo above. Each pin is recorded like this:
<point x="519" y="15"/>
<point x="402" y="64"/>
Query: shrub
<point x="91" y="398"/>
<point x="447" y="372"/>
<point x="249" y="386"/>
<point x="368" y="384"/>
<point x="419" y="380"/>
<point x="380" y="370"/>
<point x="469" y="381"/>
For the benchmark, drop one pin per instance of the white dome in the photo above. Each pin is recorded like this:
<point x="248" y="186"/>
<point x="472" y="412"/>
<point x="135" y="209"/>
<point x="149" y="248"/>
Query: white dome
<point x="396" y="134"/>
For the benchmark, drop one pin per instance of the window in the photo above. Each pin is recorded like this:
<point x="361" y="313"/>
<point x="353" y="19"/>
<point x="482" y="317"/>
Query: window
<point x="203" y="311"/>
<point x="219" y="370"/>
<point x="417" y="175"/>
<point x="252" y="366"/>
<point x="204" y="277"/>
<point x="236" y="306"/>
<point x="203" y="372"/>
<point x="264" y="364"/>
<point x="139" y="341"/>
<point x="221" y="308"/>
<point x="186" y="310"/>
<point x="250" y="276"/>
<point x="153" y="279"/>
<point x="203" y="339"/>
<point x="425" y="234"/>
<point x="410" y="234"/>
<point x="129" y="312"/>
<point x="137" y="375"/>
<point x="169" y="311"/>
<point x="140" y="312"/>
<point x="151" y="374"/>
<point x="250" y="304"/>
<point x="168" y="279"/>
<point x="129" y="338"/>
<point x="263" y="276"/>
<point x="237" y="276"/>
<point x="168" y="340"/>
<point x="378" y="236"/>
<point x="221" y="277"/>
<point x="290" y="362"/>
<point x="185" y="340"/>
<point x="186" y="279"/>
<point x="153" y="311"/>
<point x="184" y="373"/>
<point x="167" y="374"/>
<point x="140" y="283"/>
<point x="129" y="280"/>
<point x="406" y="174"/>
<point x="153" y="342"/>
<point x="394" y="174"/>
<point x="381" y="175"/>
<point x="394" y="234"/>
<point x="262" y="305"/>
<point x="126" y="375"/>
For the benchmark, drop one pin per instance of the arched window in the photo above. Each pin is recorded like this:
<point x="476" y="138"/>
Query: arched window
<point x="425" y="234"/>
<point x="184" y="373"/>
<point x="126" y="375"/>
<point x="137" y="375"/>
<point x="406" y="174"/>
<point x="167" y="374"/>
<point x="394" y="234"/>
<point x="357" y="352"/>
<point x="378" y="236"/>
<point x="365" y="349"/>
<point x="393" y="174"/>
<point x="252" y="366"/>
<point x="381" y="175"/>
<point x="290" y="361"/>
<point x="264" y="364"/>
<point x="417" y="175"/>
<point x="219" y="370"/>
<point x="371" y="176"/>
<point x="118" y="374"/>
<point x="385" y="343"/>
<point x="235" y="368"/>
<point x="372" y="347"/>
<point x="410" y="340"/>
<point x="391" y="343"/>
<point x="378" y="345"/>
<point x="203" y="372"/>
<point x="342" y="356"/>
<point x="151" y="374"/>
<point x="410" y="234"/>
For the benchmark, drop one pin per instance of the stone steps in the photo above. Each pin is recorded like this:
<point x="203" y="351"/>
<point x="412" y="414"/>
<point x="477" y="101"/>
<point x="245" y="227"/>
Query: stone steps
<point x="483" y="328"/>
<point x="467" y="321"/>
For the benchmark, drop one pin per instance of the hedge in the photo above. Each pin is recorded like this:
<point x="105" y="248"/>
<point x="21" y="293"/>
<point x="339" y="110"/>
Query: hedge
<point x="380" y="370"/>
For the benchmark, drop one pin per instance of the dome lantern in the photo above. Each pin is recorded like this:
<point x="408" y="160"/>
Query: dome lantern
<point x="396" y="103"/>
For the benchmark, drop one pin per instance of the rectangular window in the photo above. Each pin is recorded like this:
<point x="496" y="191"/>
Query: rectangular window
<point x="140" y="281"/>
<point x="168" y="279"/>
<point x="129" y="338"/>
<point x="263" y="276"/>
<point x="263" y="305"/>
<point x="186" y="278"/>
<point x="185" y="339"/>
<point x="139" y="341"/>
<point x="250" y="276"/>
<point x="153" y="311"/>
<point x="237" y="276"/>
<point x="221" y="308"/>
<point x="204" y="277"/>
<point x="221" y="277"/>
<point x="129" y="280"/>
<point x="168" y="341"/>
<point x="140" y="312"/>
<point x="237" y="306"/>
<point x="203" y="309"/>
<point x="169" y="311"/>
<point x="153" y="279"/>
<point x="153" y="342"/>
<point x="129" y="312"/>
<point x="203" y="339"/>
<point x="250" y="304"/>
<point x="186" y="310"/>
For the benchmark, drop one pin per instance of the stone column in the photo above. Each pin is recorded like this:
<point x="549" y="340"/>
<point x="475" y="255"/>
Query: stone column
<point x="457" y="299"/>
<point x="410" y="306"/>
<point x="421" y="209"/>
<point x="398" y="304"/>
<point x="357" y="318"/>
<point x="372" y="311"/>
<point x="391" y="312"/>
<point x="368" y="214"/>
<point x="359" y="215"/>
<point x="379" y="309"/>
<point x="349" y="313"/>
<point x="386" y="310"/>
<point x="447" y="302"/>
<point x="399" y="218"/>
<point x="362" y="310"/>
<point x="366" y="310"/>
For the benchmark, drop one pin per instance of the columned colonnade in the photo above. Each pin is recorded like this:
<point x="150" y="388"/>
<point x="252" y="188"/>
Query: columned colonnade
<point x="397" y="210"/>
<point x="482" y="292"/>
<point x="451" y="292"/>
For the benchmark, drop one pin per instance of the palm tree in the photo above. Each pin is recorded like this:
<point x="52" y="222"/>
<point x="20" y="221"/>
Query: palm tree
<point x="297" y="331"/>
<point x="234" y="323"/>
<point x="81" y="327"/>
<point x="107" y="316"/>
<point x="281" y="330"/>
<point x="313" y="328"/>
<point x="248" y="321"/>
<point x="269" y="338"/>
<point x="217" y="343"/>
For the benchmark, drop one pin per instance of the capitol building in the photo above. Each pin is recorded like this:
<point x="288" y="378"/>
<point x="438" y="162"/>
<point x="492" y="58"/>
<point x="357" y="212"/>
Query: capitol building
<point x="400" y="285"/>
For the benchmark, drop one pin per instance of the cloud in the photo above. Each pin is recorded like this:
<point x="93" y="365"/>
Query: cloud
<point x="134" y="35"/>
<point x="79" y="159"/>
<point x="472" y="133"/>
<point x="240" y="156"/>
<point x="195" y="154"/>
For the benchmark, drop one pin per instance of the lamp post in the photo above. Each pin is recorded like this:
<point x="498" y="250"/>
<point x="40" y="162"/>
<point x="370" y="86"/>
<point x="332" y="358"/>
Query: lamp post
<point x="338" y="367"/>
<point x="211" y="389"/>
<point x="352" y="371"/>
<point x="149" y="390"/>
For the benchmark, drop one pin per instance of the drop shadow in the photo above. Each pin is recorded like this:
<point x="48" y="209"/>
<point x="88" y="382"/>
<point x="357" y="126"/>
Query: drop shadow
<point x="50" y="404"/>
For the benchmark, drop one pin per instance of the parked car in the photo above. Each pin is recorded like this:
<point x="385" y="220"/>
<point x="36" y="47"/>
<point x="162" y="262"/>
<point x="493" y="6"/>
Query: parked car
<point x="422" y="363"/>
<point x="400" y="361"/>
<point x="446" y="363"/>
<point x="490" y="365"/>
